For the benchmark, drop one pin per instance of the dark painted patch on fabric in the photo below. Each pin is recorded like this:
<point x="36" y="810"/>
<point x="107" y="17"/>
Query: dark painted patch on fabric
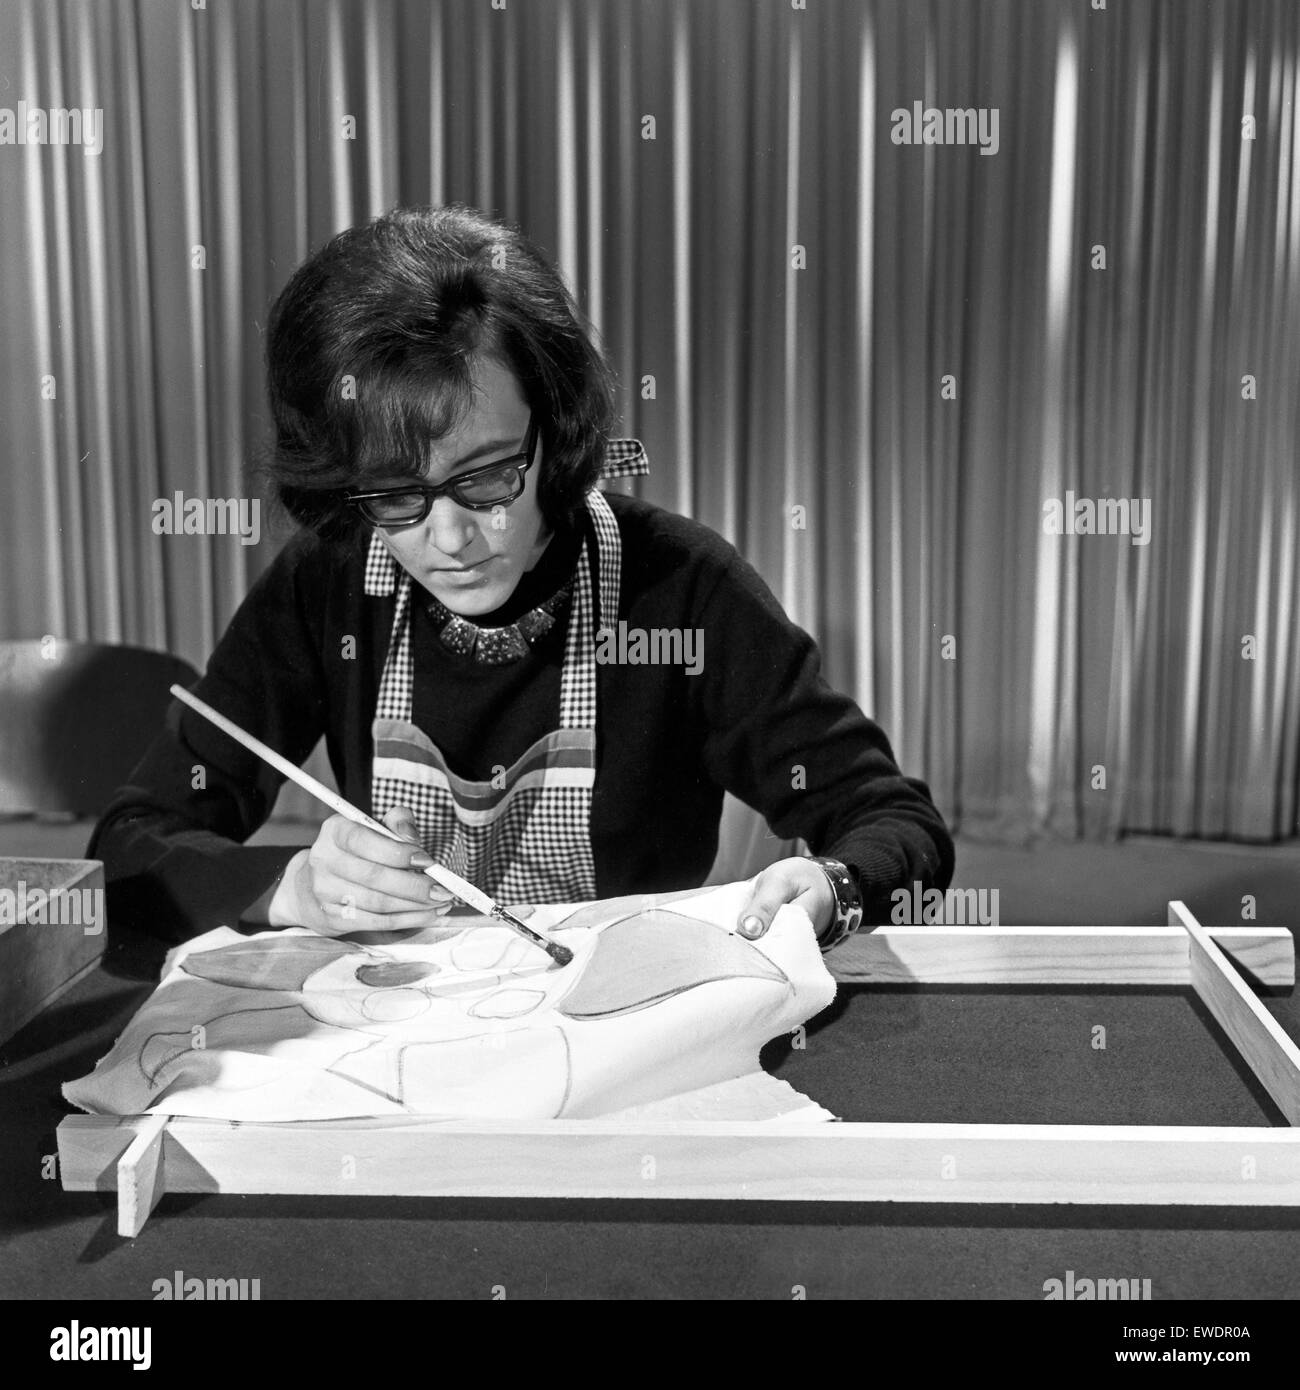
<point x="386" y="974"/>
<point x="281" y="965"/>
<point x="654" y="955"/>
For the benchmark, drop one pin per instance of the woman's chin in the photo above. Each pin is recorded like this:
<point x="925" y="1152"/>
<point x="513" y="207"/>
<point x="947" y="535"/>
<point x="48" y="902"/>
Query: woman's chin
<point x="471" y="601"/>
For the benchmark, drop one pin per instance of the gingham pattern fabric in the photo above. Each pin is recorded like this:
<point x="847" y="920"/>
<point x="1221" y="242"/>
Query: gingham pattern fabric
<point x="624" y="458"/>
<point x="525" y="838"/>
<point x="578" y="696"/>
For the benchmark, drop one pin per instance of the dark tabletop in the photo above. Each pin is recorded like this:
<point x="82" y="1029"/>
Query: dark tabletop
<point x="925" y="1054"/>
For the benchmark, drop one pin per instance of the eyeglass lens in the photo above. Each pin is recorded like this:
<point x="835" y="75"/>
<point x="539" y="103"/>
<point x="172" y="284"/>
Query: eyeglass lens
<point x="484" y="490"/>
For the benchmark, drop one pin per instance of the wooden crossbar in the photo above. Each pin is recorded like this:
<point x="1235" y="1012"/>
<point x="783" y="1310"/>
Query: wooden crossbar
<point x="768" y="1161"/>
<point x="140" y="1175"/>
<point x="143" y="1156"/>
<point x="1271" y="1055"/>
<point x="942" y="955"/>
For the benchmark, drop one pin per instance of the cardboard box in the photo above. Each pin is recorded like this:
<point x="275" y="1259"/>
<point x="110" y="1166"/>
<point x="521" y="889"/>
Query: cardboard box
<point x="52" y="929"/>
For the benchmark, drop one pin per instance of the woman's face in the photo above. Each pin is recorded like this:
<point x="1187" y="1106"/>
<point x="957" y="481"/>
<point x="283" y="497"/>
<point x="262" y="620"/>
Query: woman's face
<point x="471" y="561"/>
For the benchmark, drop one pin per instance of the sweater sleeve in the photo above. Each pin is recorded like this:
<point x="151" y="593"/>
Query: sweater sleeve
<point x="172" y="838"/>
<point x="805" y="756"/>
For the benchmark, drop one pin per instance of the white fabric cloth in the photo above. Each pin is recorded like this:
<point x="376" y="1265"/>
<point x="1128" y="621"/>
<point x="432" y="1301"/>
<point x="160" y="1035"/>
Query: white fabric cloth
<point x="661" y="999"/>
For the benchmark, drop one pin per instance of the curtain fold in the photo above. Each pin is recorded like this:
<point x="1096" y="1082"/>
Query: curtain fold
<point x="869" y="364"/>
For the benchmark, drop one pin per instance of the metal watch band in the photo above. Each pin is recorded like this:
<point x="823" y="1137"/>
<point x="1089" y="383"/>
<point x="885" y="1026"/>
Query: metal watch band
<point x="848" y="903"/>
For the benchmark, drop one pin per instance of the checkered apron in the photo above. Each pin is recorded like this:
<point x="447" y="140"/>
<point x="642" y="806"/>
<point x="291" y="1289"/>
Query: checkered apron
<point x="525" y="835"/>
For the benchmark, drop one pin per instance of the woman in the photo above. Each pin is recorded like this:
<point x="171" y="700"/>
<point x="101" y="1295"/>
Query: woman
<point x="446" y="619"/>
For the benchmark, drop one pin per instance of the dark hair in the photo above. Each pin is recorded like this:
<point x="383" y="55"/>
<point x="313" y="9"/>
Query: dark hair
<point x="403" y="306"/>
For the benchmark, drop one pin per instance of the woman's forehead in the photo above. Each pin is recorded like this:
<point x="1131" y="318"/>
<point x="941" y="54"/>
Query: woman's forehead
<point x="494" y="422"/>
<point x="496" y="400"/>
<point x="490" y="425"/>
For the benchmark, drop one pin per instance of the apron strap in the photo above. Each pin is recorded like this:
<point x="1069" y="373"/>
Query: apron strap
<point x="609" y="546"/>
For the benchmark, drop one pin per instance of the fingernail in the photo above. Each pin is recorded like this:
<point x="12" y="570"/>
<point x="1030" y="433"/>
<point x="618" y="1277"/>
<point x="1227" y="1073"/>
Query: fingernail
<point x="751" y="926"/>
<point x="420" y="860"/>
<point x="442" y="909"/>
<point x="438" y="895"/>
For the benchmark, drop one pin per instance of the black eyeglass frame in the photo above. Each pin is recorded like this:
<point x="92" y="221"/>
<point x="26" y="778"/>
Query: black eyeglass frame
<point x="521" y="462"/>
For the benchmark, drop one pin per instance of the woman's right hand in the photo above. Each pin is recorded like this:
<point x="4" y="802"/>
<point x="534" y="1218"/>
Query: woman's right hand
<point x="355" y="879"/>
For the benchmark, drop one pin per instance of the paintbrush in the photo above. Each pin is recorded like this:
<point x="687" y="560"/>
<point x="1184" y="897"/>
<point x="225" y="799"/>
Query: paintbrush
<point x="452" y="882"/>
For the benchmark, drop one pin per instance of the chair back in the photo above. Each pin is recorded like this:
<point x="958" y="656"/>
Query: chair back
<point x="75" y="719"/>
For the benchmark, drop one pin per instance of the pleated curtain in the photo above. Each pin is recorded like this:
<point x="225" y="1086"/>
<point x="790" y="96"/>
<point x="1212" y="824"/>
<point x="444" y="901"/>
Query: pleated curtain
<point x="868" y="363"/>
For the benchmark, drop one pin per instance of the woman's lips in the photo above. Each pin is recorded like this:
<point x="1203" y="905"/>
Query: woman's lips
<point x="464" y="572"/>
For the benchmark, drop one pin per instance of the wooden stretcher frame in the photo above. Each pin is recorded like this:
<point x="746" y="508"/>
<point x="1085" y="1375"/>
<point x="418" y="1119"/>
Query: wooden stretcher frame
<point x="144" y="1156"/>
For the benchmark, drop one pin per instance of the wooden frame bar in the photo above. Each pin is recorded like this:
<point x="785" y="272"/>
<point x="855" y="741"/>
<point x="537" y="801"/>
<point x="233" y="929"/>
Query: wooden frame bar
<point x="141" y="1156"/>
<point x="140" y="1175"/>
<point x="769" y="1161"/>
<point x="1272" y="1056"/>
<point x="942" y="955"/>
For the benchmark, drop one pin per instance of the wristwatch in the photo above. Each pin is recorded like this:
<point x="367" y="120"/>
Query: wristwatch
<point x="848" y="903"/>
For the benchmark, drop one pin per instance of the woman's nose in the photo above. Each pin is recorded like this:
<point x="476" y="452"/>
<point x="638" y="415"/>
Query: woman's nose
<point x="451" y="527"/>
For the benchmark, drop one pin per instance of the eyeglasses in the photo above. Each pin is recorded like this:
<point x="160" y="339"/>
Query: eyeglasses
<point x="494" y="485"/>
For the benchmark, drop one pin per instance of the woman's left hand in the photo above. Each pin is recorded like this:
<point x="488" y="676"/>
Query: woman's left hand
<point x="797" y="881"/>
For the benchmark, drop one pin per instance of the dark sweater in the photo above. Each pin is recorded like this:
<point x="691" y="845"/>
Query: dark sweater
<point x="303" y="655"/>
